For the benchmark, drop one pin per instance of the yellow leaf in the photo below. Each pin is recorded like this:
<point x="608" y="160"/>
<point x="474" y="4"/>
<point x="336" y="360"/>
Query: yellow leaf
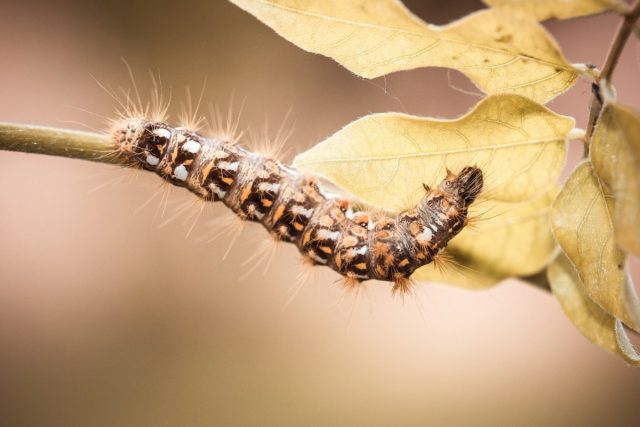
<point x="582" y="225"/>
<point x="615" y="153"/>
<point x="514" y="238"/>
<point x="384" y="158"/>
<point x="548" y="9"/>
<point x="463" y="271"/>
<point x="498" y="52"/>
<point x="591" y="320"/>
<point x="507" y="240"/>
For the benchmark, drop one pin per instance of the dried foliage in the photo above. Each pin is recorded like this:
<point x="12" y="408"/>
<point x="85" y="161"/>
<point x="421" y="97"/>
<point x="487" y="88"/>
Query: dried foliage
<point x="519" y="144"/>
<point x="553" y="9"/>
<point x="498" y="51"/>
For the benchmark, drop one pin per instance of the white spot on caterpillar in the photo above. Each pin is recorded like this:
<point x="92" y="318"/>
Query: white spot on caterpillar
<point x="253" y="211"/>
<point x="288" y="170"/>
<point x="181" y="173"/>
<point x="324" y="234"/>
<point x="220" y="154"/>
<point x="191" y="146"/>
<point x="218" y="192"/>
<point x="300" y="210"/>
<point x="268" y="187"/>
<point x="433" y="228"/>
<point x="424" y="237"/>
<point x="162" y="133"/>
<point x="228" y="166"/>
<point x="152" y="160"/>
<point x="283" y="231"/>
<point x="349" y="213"/>
<point x="317" y="258"/>
<point x="362" y="250"/>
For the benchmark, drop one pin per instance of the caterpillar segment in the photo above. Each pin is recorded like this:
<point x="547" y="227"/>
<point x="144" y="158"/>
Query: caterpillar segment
<point x="291" y="206"/>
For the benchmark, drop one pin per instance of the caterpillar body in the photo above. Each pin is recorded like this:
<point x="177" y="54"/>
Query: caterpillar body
<point x="359" y="245"/>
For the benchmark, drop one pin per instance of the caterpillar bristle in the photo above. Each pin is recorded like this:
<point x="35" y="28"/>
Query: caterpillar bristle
<point x="161" y="210"/>
<point x="272" y="146"/>
<point x="443" y="262"/>
<point x="402" y="286"/>
<point x="453" y="266"/>
<point x="226" y="128"/>
<point x="351" y="285"/>
<point x="476" y="219"/>
<point x="264" y="255"/>
<point x="190" y="211"/>
<point x="159" y="191"/>
<point x="190" y="117"/>
<point x="306" y="274"/>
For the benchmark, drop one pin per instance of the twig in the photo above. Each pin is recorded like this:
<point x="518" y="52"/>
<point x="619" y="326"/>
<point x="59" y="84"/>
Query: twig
<point x="57" y="142"/>
<point x="613" y="56"/>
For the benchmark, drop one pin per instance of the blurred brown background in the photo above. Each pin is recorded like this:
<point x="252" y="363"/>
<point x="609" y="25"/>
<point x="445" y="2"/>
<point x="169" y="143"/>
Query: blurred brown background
<point x="107" y="319"/>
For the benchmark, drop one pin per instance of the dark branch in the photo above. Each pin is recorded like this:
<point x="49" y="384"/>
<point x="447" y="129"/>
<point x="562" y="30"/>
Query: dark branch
<point x="625" y="29"/>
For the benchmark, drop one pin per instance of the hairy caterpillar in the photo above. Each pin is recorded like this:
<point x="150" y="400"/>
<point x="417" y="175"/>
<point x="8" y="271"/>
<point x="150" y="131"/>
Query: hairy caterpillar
<point x="359" y="245"/>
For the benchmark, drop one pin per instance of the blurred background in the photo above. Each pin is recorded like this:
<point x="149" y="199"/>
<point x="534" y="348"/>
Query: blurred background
<point x="108" y="317"/>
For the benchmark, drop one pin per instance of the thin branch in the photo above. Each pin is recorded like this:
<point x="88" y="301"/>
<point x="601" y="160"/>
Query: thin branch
<point x="613" y="56"/>
<point x="57" y="142"/>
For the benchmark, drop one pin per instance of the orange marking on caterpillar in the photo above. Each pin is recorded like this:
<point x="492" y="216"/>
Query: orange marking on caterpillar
<point x="307" y="238"/>
<point x="278" y="213"/>
<point x="246" y="192"/>
<point x="349" y="242"/>
<point x="325" y="221"/>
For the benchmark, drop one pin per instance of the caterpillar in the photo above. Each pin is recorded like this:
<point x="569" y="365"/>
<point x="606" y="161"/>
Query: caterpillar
<point x="358" y="244"/>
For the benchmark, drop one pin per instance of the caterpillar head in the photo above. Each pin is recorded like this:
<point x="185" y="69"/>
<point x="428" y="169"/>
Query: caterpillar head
<point x="466" y="185"/>
<point x="125" y="133"/>
<point x="144" y="140"/>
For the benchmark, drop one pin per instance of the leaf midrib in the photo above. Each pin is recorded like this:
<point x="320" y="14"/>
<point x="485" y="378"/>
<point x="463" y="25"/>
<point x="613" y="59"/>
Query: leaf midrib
<point x="436" y="35"/>
<point x="432" y="153"/>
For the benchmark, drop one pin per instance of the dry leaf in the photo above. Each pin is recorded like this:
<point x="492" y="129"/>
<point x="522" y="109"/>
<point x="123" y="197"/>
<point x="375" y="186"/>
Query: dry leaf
<point x="507" y="240"/>
<point x="591" y="320"/>
<point x="548" y="9"/>
<point x="384" y="158"/>
<point x="615" y="153"/>
<point x="460" y="270"/>
<point x="582" y="225"/>
<point x="498" y="52"/>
